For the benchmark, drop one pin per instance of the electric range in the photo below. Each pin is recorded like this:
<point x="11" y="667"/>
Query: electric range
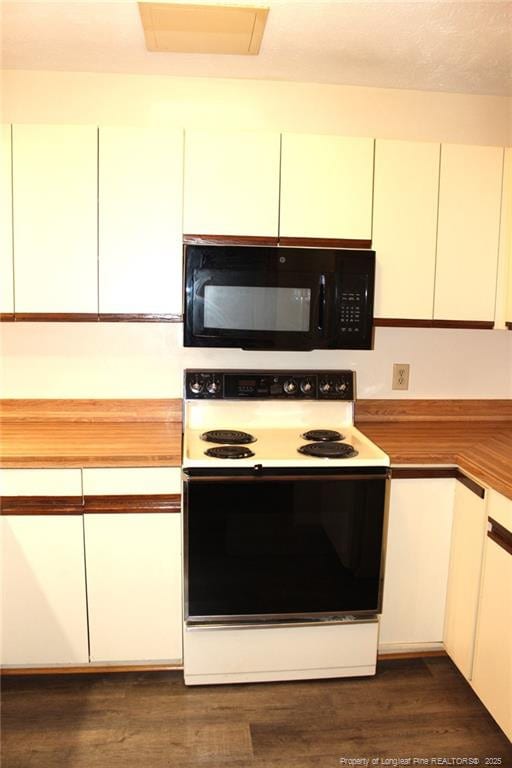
<point x="285" y="515"/>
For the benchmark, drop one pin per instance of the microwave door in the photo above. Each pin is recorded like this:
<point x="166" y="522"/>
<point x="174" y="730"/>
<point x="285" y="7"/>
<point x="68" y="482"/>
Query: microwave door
<point x="254" y="311"/>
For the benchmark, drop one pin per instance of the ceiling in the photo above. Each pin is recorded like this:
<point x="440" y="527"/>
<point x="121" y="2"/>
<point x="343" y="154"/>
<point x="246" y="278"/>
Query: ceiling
<point x="449" y="46"/>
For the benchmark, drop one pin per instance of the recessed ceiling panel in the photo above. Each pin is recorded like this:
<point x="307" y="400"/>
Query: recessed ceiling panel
<point x="179" y="28"/>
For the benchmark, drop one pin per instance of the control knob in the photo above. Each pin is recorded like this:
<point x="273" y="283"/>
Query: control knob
<point x="212" y="386"/>
<point x="290" y="386"/>
<point x="306" y="386"/>
<point x="341" y="386"/>
<point x="325" y="387"/>
<point x="196" y="385"/>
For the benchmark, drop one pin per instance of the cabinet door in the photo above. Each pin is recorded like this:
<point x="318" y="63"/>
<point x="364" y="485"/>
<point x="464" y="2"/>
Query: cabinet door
<point x="134" y="586"/>
<point x="404" y="228"/>
<point x="140" y="219"/>
<point x="468" y="232"/>
<point x="468" y="535"/>
<point x="231" y="183"/>
<point x="326" y="186"/>
<point x="44" y="617"/>
<point x="492" y="670"/>
<point x="6" y="266"/>
<point x="55" y="218"/>
<point x="416" y="570"/>
<point x="506" y="237"/>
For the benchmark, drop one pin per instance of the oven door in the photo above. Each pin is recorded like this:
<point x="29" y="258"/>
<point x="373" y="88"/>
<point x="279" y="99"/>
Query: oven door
<point x="283" y="546"/>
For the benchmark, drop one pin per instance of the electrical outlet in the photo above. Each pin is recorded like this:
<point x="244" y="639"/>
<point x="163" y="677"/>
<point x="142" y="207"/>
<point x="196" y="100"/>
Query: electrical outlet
<point x="400" y="375"/>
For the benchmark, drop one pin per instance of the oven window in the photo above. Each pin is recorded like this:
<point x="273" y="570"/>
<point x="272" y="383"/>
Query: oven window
<point x="290" y="546"/>
<point x="257" y="308"/>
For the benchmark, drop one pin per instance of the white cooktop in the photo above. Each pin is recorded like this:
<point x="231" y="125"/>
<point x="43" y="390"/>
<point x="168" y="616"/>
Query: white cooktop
<point x="277" y="427"/>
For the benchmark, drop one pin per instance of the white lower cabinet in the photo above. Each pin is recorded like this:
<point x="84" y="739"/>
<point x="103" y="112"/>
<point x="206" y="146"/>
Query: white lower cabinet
<point x="43" y="606"/>
<point x="416" y="572"/>
<point x="134" y="586"/>
<point x="492" y="666"/>
<point x="468" y="535"/>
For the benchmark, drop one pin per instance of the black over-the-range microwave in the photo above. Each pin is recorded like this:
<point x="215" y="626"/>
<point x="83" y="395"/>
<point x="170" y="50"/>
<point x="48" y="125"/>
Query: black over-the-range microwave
<point x="280" y="298"/>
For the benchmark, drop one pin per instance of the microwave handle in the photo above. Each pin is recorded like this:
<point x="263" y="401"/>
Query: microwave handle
<point x="321" y="303"/>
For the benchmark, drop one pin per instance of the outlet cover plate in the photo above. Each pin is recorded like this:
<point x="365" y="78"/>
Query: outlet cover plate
<point x="400" y="375"/>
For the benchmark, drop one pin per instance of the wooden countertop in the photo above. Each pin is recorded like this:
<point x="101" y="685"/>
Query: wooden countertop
<point x="476" y="436"/>
<point x="90" y="433"/>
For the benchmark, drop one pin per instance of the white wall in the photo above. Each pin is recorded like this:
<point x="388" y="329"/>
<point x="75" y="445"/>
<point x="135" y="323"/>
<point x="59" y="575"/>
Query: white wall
<point x="78" y="97"/>
<point x="147" y="360"/>
<point x="128" y="360"/>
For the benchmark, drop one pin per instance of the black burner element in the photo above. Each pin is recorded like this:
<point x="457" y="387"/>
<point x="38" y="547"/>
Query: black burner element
<point x="229" y="452"/>
<point x="230" y="436"/>
<point x="322" y="435"/>
<point x="329" y="450"/>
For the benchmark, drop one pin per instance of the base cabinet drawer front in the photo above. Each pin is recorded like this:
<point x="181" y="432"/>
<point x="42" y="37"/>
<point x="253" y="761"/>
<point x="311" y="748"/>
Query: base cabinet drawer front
<point x="231" y="183"/>
<point x="416" y="569"/>
<point x="326" y="186"/>
<point x="492" y="669"/>
<point x="132" y="480"/>
<point x="55" y="174"/>
<point x="405" y="203"/>
<point x="140" y="220"/>
<point x="468" y="232"/>
<point x="134" y="586"/>
<point x="43" y="605"/>
<point x="468" y="537"/>
<point x="40" y="482"/>
<point x="279" y="653"/>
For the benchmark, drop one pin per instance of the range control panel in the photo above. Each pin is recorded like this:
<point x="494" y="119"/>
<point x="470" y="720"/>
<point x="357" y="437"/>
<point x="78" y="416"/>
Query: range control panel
<point x="271" y="385"/>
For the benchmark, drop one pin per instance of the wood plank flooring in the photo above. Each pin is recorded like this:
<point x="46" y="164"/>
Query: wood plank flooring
<point x="420" y="708"/>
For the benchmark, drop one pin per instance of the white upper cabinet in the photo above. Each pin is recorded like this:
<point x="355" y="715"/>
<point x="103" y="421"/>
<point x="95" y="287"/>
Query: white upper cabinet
<point x="55" y="218"/>
<point x="140" y="220"/>
<point x="326" y="187"/>
<point x="231" y="183"/>
<point x="6" y="271"/>
<point x="468" y="232"/>
<point x="506" y="239"/>
<point x="404" y="228"/>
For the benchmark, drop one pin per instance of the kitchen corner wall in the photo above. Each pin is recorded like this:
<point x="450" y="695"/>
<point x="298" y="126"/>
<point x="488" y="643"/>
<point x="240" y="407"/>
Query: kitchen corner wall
<point x="147" y="360"/>
<point x="136" y="360"/>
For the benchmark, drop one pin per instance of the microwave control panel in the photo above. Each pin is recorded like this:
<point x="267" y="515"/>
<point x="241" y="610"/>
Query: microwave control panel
<point x="269" y="385"/>
<point x="351" y="311"/>
<point x="352" y="306"/>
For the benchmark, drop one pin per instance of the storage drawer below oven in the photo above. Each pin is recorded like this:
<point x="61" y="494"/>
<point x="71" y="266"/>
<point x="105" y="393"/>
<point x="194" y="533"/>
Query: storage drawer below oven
<point x="258" y="654"/>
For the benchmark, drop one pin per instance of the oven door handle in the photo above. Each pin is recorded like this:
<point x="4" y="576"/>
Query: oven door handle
<point x="259" y="477"/>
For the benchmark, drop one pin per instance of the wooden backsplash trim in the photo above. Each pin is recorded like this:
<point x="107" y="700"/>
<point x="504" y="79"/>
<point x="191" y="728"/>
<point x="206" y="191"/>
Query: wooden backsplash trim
<point x="126" y="317"/>
<point x="170" y="503"/>
<point x="41" y="505"/>
<point x="56" y="317"/>
<point x="112" y="411"/>
<point x="324" y="242"/>
<point x="90" y="317"/>
<point x="482" y="325"/>
<point x="402" y="322"/>
<point x="433" y="410"/>
<point x="191" y="239"/>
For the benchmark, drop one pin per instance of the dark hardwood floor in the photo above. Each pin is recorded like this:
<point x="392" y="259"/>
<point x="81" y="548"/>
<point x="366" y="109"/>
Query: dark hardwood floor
<point x="419" y="708"/>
